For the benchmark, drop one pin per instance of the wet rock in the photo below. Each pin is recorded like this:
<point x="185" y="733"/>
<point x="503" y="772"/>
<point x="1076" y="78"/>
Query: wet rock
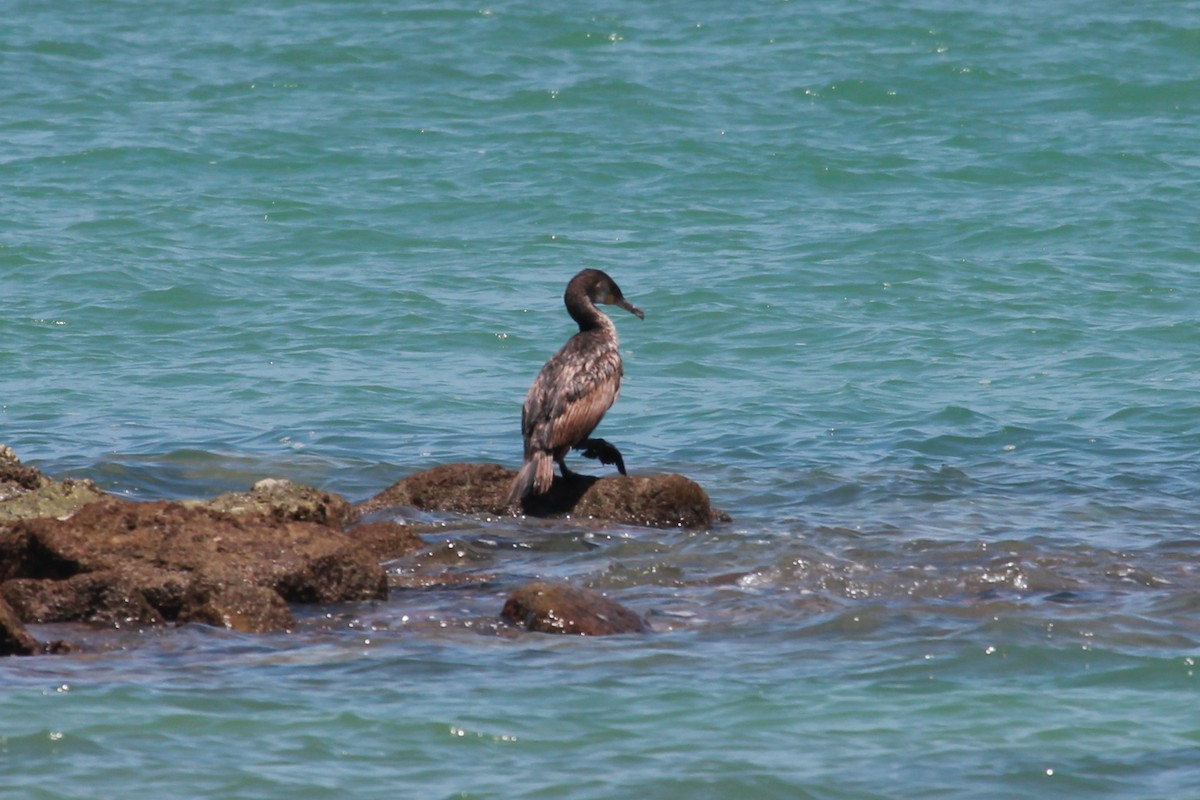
<point x="14" y="639"/>
<point x="169" y="554"/>
<point x="456" y="488"/>
<point x="245" y="608"/>
<point x="71" y="553"/>
<point x="25" y="493"/>
<point x="660" y="501"/>
<point x="282" y="500"/>
<point x="104" y="598"/>
<point x="15" y="477"/>
<point x="444" y="579"/>
<point x="387" y="540"/>
<point x="559" y="608"/>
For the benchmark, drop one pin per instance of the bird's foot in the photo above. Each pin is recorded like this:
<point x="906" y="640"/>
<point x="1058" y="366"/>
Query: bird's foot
<point x="602" y="450"/>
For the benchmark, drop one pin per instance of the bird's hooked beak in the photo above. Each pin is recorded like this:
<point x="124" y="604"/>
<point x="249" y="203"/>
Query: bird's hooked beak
<point x="631" y="308"/>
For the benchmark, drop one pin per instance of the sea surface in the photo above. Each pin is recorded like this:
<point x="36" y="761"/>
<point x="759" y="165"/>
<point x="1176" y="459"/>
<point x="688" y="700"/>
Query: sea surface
<point x="922" y="295"/>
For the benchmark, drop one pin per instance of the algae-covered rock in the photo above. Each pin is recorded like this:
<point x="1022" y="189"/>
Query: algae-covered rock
<point x="15" y="477"/>
<point x="167" y="554"/>
<point x="283" y="500"/>
<point x="560" y="608"/>
<point x="660" y="501"/>
<point x="103" y="598"/>
<point x="456" y="488"/>
<point x="25" y="493"/>
<point x="386" y="540"/>
<point x="242" y="607"/>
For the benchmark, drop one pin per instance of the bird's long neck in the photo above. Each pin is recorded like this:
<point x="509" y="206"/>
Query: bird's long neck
<point x="584" y="311"/>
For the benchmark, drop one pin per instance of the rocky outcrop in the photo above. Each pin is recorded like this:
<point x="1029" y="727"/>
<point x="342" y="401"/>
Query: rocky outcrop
<point x="103" y="598"/>
<point x="26" y="493"/>
<point x="120" y="562"/>
<point x="282" y="500"/>
<point x="71" y="553"/>
<point x="560" y="608"/>
<point x="660" y="501"/>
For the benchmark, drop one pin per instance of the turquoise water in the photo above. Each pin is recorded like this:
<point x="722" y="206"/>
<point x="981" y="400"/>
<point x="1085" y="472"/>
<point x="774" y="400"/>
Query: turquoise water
<point x="921" y="288"/>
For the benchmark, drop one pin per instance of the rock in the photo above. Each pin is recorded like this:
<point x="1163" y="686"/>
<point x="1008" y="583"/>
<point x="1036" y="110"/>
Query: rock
<point x="559" y="608"/>
<point x="14" y="639"/>
<point x="15" y="477"/>
<point x="104" y="598"/>
<point x="457" y="488"/>
<point x="660" y="501"/>
<point x="71" y="553"/>
<point x="171" y="554"/>
<point x="245" y="608"/>
<point x="283" y="500"/>
<point x="386" y="540"/>
<point x="25" y="493"/>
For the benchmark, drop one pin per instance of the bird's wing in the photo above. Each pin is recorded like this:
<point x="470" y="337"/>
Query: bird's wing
<point x="588" y="390"/>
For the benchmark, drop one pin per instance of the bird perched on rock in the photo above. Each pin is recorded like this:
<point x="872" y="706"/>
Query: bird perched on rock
<point x="575" y="387"/>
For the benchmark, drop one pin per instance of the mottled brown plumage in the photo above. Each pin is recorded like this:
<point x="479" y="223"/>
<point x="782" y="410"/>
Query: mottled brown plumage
<point x="574" y="388"/>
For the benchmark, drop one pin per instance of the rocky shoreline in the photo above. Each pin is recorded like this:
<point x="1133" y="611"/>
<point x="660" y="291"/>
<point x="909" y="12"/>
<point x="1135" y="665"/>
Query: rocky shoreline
<point x="70" y="552"/>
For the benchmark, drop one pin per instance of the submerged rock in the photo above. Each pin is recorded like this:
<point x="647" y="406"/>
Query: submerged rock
<point x="560" y="608"/>
<point x="660" y="501"/>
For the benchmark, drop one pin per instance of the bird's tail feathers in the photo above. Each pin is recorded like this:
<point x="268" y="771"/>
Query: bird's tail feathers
<point x="535" y="477"/>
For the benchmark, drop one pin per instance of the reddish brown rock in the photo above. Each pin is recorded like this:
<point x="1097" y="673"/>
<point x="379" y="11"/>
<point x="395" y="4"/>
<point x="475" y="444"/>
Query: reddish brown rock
<point x="387" y="540"/>
<point x="104" y="598"/>
<point x="243" y="607"/>
<point x="14" y="639"/>
<point x="167" y="555"/>
<point x="660" y="501"/>
<point x="70" y="553"/>
<point x="559" y="608"/>
<point x="457" y="488"/>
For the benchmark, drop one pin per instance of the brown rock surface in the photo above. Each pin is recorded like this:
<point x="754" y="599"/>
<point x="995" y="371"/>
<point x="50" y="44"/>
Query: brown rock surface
<point x="386" y="540"/>
<point x="14" y="639"/>
<point x="104" y="598"/>
<point x="117" y="561"/>
<point x="559" y="608"/>
<point x="660" y="501"/>
<point x="242" y="607"/>
<point x="71" y="553"/>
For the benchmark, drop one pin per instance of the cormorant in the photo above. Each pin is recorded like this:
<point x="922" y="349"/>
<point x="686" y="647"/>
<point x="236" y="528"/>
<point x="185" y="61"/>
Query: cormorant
<point x="574" y="389"/>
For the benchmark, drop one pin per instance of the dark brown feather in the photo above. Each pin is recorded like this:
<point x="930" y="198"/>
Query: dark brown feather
<point x="571" y="394"/>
